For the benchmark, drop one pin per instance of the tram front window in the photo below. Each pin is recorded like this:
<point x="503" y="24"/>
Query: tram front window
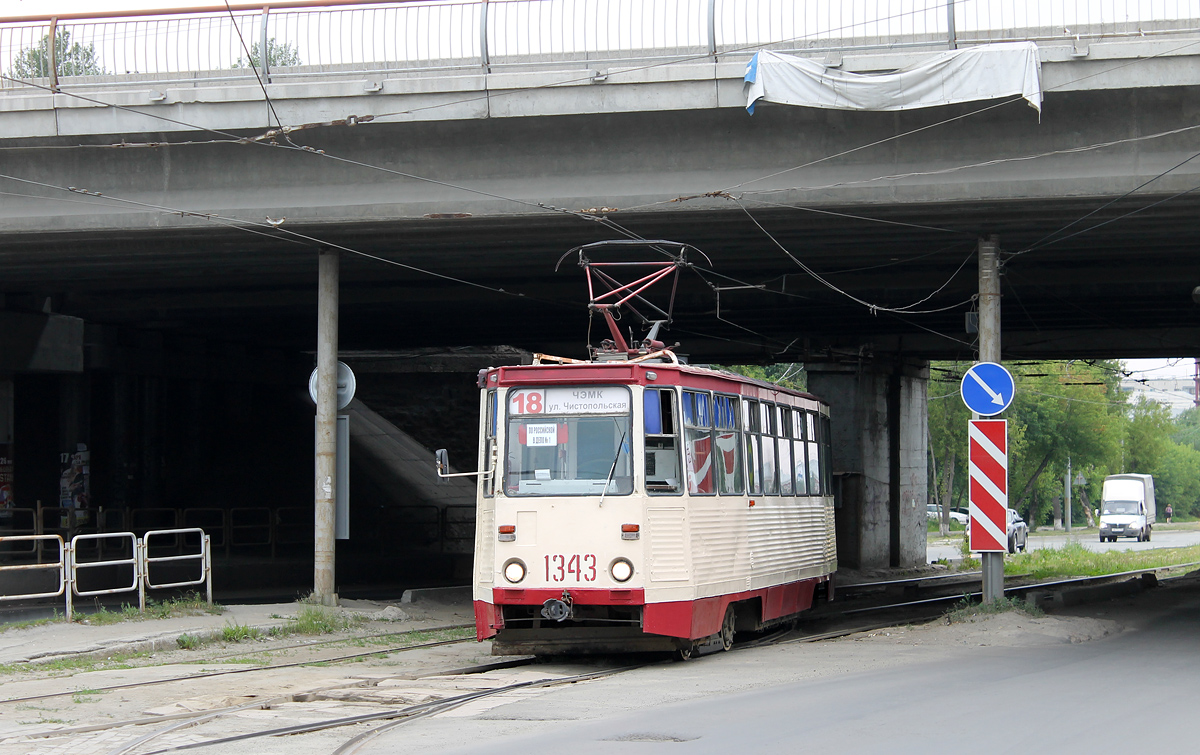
<point x="579" y="447"/>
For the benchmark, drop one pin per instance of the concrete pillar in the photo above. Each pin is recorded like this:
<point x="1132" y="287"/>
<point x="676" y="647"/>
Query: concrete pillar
<point x="326" y="437"/>
<point x="879" y="415"/>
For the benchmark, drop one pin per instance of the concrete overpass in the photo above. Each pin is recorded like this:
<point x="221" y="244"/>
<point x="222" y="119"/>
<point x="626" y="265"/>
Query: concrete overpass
<point x="147" y="221"/>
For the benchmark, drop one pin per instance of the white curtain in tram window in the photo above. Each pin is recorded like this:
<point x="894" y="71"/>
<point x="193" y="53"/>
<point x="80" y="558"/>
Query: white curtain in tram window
<point x="699" y="461"/>
<point x="770" y="479"/>
<point x="801" y="468"/>
<point x="982" y="72"/>
<point x="814" y="470"/>
<point x="785" y="467"/>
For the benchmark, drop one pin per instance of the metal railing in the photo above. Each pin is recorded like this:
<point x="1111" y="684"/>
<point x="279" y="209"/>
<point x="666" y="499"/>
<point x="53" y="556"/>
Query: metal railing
<point x="68" y="565"/>
<point x="204" y="556"/>
<point x="62" y="564"/>
<point x="348" y="37"/>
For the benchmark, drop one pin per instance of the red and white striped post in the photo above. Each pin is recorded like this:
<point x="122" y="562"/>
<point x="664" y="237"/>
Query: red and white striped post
<point x="988" y="457"/>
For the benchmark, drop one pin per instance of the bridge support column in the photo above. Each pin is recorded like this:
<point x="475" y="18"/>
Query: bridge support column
<point x="879" y="413"/>
<point x="324" y="585"/>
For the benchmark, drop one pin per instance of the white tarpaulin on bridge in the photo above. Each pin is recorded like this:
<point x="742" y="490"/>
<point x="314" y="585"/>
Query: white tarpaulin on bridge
<point x="974" y="73"/>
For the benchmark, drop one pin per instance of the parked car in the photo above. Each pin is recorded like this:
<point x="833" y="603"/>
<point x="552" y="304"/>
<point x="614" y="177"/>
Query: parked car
<point x="932" y="511"/>
<point x="1018" y="532"/>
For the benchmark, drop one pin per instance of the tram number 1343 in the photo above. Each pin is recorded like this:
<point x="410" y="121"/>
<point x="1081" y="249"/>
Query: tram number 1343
<point x="560" y="567"/>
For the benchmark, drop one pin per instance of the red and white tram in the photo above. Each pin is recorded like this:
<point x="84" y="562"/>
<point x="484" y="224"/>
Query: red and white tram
<point x="639" y="504"/>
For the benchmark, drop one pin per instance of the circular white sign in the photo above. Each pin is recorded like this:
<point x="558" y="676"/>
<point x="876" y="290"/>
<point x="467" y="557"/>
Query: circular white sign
<point x="345" y="385"/>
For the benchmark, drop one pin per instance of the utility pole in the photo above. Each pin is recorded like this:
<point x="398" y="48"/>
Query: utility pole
<point x="989" y="351"/>
<point x="326" y="434"/>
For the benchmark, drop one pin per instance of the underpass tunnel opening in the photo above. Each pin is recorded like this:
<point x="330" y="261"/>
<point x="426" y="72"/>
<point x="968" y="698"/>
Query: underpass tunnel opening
<point x="156" y="433"/>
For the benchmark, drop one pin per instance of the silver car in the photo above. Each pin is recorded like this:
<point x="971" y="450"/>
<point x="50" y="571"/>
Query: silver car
<point x="1018" y="532"/>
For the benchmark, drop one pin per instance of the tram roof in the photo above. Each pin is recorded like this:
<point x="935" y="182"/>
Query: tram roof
<point x="638" y="373"/>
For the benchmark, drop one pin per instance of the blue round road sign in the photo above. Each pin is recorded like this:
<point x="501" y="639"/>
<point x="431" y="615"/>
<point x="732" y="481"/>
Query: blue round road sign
<point x="987" y="388"/>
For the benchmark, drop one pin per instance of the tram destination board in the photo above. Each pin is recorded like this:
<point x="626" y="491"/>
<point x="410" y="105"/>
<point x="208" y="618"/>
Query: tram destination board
<point x="603" y="399"/>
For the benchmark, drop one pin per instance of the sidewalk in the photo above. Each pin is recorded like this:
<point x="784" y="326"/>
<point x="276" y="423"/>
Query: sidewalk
<point x="423" y="609"/>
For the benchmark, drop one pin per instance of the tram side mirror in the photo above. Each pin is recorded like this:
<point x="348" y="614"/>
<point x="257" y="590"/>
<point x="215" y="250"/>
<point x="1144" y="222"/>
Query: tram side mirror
<point x="442" y="460"/>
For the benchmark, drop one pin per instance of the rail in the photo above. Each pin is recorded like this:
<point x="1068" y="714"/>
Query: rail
<point x="345" y="38"/>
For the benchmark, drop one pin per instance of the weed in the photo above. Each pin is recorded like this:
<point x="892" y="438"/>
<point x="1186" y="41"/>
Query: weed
<point x="86" y="696"/>
<point x="968" y="610"/>
<point x="189" y="642"/>
<point x="240" y="632"/>
<point x="46" y="721"/>
<point x="311" y="619"/>
<point x="247" y="660"/>
<point x="189" y="604"/>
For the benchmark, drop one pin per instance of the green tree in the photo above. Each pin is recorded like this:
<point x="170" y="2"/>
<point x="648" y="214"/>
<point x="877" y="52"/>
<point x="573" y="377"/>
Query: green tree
<point x="1187" y="428"/>
<point x="71" y="58"/>
<point x="1147" y="437"/>
<point x="279" y="54"/>
<point x="1177" y="480"/>
<point x="947" y="437"/>
<point x="789" y="375"/>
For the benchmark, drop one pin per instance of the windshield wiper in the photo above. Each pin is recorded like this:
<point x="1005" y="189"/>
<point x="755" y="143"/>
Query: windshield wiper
<point x="613" y="468"/>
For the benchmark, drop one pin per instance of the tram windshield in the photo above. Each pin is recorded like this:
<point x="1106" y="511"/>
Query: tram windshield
<point x="571" y="440"/>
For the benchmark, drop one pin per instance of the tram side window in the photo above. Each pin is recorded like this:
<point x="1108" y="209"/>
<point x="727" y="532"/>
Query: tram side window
<point x="489" y="445"/>
<point x="728" y="442"/>
<point x="801" y="467"/>
<point x="662" y="441"/>
<point x="697" y="433"/>
<point x="753" y="426"/>
<point x="826" y="455"/>
<point x="814" y="455"/>
<point x="785" y="451"/>
<point x="770" y="429"/>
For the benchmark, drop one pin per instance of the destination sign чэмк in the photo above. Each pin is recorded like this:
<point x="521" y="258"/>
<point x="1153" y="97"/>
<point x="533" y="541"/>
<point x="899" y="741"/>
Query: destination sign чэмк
<point x="606" y="399"/>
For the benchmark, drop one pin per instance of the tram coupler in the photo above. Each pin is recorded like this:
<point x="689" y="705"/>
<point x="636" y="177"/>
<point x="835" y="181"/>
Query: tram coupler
<point x="559" y="610"/>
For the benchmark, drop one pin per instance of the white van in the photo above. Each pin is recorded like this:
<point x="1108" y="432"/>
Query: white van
<point x="1127" y="507"/>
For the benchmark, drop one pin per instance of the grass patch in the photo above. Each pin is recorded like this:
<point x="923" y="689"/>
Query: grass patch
<point x="240" y="632"/>
<point x="934" y="526"/>
<point x="313" y="619"/>
<point x="189" y="604"/>
<point x="32" y="622"/>
<point x="86" y="696"/>
<point x="967" y="610"/>
<point x="72" y="664"/>
<point x="1074" y="560"/>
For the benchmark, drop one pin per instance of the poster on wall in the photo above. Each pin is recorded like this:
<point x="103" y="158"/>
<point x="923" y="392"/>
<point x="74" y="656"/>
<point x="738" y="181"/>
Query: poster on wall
<point x="6" y="476"/>
<point x="73" y="486"/>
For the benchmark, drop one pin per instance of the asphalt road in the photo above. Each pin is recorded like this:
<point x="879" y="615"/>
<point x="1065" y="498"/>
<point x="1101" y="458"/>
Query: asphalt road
<point x="1131" y="692"/>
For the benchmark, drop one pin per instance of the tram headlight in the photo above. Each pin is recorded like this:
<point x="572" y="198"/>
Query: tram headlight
<point x="621" y="569"/>
<point x="514" y="570"/>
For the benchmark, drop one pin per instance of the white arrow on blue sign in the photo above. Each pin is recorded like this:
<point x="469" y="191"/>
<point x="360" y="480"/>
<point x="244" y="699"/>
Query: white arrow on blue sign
<point x="987" y="388"/>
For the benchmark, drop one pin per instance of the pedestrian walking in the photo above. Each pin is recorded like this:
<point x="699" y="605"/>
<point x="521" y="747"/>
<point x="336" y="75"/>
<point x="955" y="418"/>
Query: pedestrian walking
<point x="1169" y="512"/>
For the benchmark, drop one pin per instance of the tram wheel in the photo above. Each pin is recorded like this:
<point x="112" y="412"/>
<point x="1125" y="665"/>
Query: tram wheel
<point x="727" y="629"/>
<point x="685" y="653"/>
